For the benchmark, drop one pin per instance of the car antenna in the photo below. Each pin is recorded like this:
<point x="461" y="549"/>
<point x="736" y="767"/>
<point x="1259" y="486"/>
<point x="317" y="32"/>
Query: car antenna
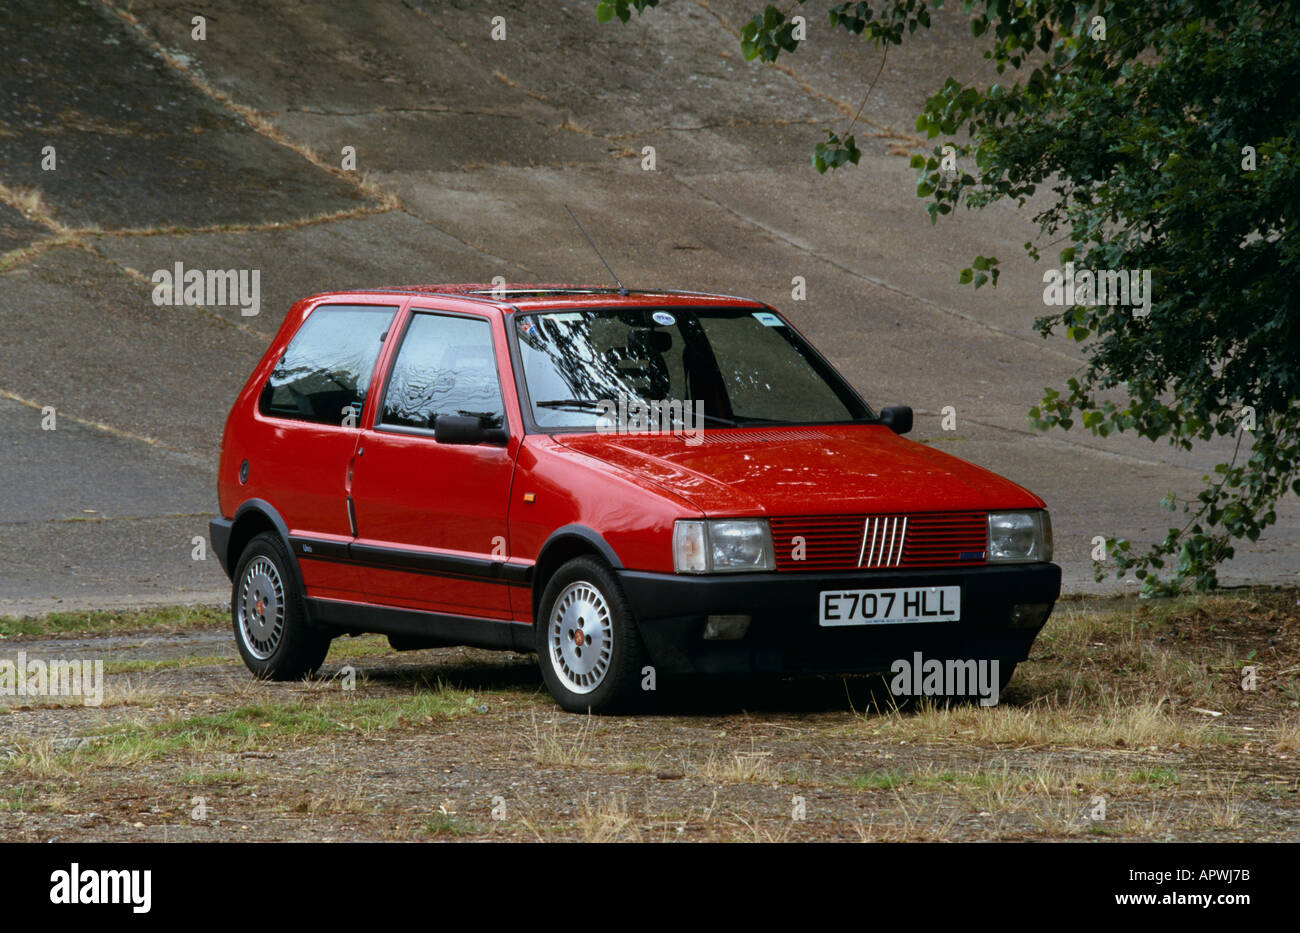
<point x="622" y="289"/>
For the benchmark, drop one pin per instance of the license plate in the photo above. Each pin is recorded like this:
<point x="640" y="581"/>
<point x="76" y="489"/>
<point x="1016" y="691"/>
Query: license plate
<point x="905" y="604"/>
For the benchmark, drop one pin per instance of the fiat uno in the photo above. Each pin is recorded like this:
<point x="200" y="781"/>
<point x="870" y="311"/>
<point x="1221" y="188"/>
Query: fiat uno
<point x="628" y="483"/>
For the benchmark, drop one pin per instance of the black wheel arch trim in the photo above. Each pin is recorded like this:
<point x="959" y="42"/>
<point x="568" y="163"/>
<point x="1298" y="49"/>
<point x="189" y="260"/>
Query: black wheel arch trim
<point x="219" y="530"/>
<point x="267" y="511"/>
<point x="585" y="534"/>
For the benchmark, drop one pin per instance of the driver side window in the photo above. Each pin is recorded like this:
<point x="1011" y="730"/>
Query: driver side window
<point x="446" y="365"/>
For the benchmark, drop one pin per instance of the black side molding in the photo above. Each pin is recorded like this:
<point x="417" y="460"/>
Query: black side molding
<point x="402" y="559"/>
<point x="427" y="626"/>
<point x="445" y="565"/>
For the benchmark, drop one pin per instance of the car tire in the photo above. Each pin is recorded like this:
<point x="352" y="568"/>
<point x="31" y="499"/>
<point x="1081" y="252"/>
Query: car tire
<point x="588" y="646"/>
<point x="274" y="635"/>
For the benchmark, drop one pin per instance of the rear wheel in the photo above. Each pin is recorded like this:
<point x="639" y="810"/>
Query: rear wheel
<point x="587" y="642"/>
<point x="274" y="636"/>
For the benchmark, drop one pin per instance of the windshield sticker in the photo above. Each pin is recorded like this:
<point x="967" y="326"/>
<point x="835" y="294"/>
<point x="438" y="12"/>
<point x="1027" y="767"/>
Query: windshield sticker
<point x="768" y="319"/>
<point x="530" y="333"/>
<point x="664" y="318"/>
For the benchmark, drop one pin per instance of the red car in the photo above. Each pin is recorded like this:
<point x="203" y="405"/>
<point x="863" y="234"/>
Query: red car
<point x="631" y="484"/>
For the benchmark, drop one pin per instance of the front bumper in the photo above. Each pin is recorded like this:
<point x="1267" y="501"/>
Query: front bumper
<point x="784" y="635"/>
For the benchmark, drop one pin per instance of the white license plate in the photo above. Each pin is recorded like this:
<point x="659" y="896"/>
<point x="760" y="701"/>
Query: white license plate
<point x="906" y="604"/>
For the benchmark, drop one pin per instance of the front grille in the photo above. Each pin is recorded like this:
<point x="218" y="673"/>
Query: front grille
<point x="882" y="542"/>
<point x="875" y="542"/>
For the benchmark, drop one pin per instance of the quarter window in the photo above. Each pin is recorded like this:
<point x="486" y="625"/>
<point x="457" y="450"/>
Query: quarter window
<point x="445" y="366"/>
<point x="325" y="372"/>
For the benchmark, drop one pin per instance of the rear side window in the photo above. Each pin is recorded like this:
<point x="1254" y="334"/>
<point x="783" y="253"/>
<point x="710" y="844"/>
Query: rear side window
<point x="325" y="372"/>
<point x="445" y="366"/>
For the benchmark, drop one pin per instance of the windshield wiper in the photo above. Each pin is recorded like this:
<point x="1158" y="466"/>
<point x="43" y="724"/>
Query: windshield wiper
<point x="572" y="403"/>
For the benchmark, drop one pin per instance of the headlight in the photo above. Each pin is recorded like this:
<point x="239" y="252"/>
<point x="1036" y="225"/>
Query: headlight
<point x="1020" y="536"/>
<point x="722" y="545"/>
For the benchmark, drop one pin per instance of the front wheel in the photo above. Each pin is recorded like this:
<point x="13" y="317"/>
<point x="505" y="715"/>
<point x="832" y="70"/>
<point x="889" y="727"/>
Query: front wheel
<point x="587" y="642"/>
<point x="274" y="636"/>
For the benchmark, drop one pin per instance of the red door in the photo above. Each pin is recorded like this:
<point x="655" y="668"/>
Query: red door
<point x="310" y="413"/>
<point x="431" y="517"/>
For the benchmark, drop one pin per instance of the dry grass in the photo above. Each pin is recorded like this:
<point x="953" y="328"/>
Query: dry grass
<point x="738" y="767"/>
<point x="35" y="759"/>
<point x="119" y="690"/>
<point x="30" y="202"/>
<point x="1286" y="737"/>
<point x="909" y="823"/>
<point x="607" y="821"/>
<point x="1146" y="723"/>
<point x="748" y="827"/>
<point x="561" y="747"/>
<point x="96" y="425"/>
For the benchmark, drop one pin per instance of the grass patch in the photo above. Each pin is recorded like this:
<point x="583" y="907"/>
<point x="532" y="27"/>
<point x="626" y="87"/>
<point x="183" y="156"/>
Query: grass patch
<point x="554" y="747"/>
<point x="100" y="622"/>
<point x="444" y="825"/>
<point x="136" y="666"/>
<point x="1134" y="724"/>
<point x="362" y="646"/>
<point x="249" y="727"/>
<point x="880" y="780"/>
<point x="1287" y="735"/>
<point x="15" y="798"/>
<point x="607" y="820"/>
<point x="1135" y="674"/>
<point x="1158" y="777"/>
<point x="751" y="767"/>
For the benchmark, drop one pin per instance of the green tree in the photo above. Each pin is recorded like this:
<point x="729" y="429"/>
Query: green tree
<point x="1166" y="132"/>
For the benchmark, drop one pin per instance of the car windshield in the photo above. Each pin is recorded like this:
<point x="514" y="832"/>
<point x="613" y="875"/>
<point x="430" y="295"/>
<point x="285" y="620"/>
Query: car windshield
<point x="705" y="367"/>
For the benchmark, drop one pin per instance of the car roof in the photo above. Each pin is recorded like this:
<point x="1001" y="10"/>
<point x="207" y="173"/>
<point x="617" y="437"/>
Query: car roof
<point x="533" y="297"/>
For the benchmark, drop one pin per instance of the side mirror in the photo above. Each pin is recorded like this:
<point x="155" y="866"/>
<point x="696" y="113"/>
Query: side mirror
<point x="898" y="418"/>
<point x="465" y="429"/>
